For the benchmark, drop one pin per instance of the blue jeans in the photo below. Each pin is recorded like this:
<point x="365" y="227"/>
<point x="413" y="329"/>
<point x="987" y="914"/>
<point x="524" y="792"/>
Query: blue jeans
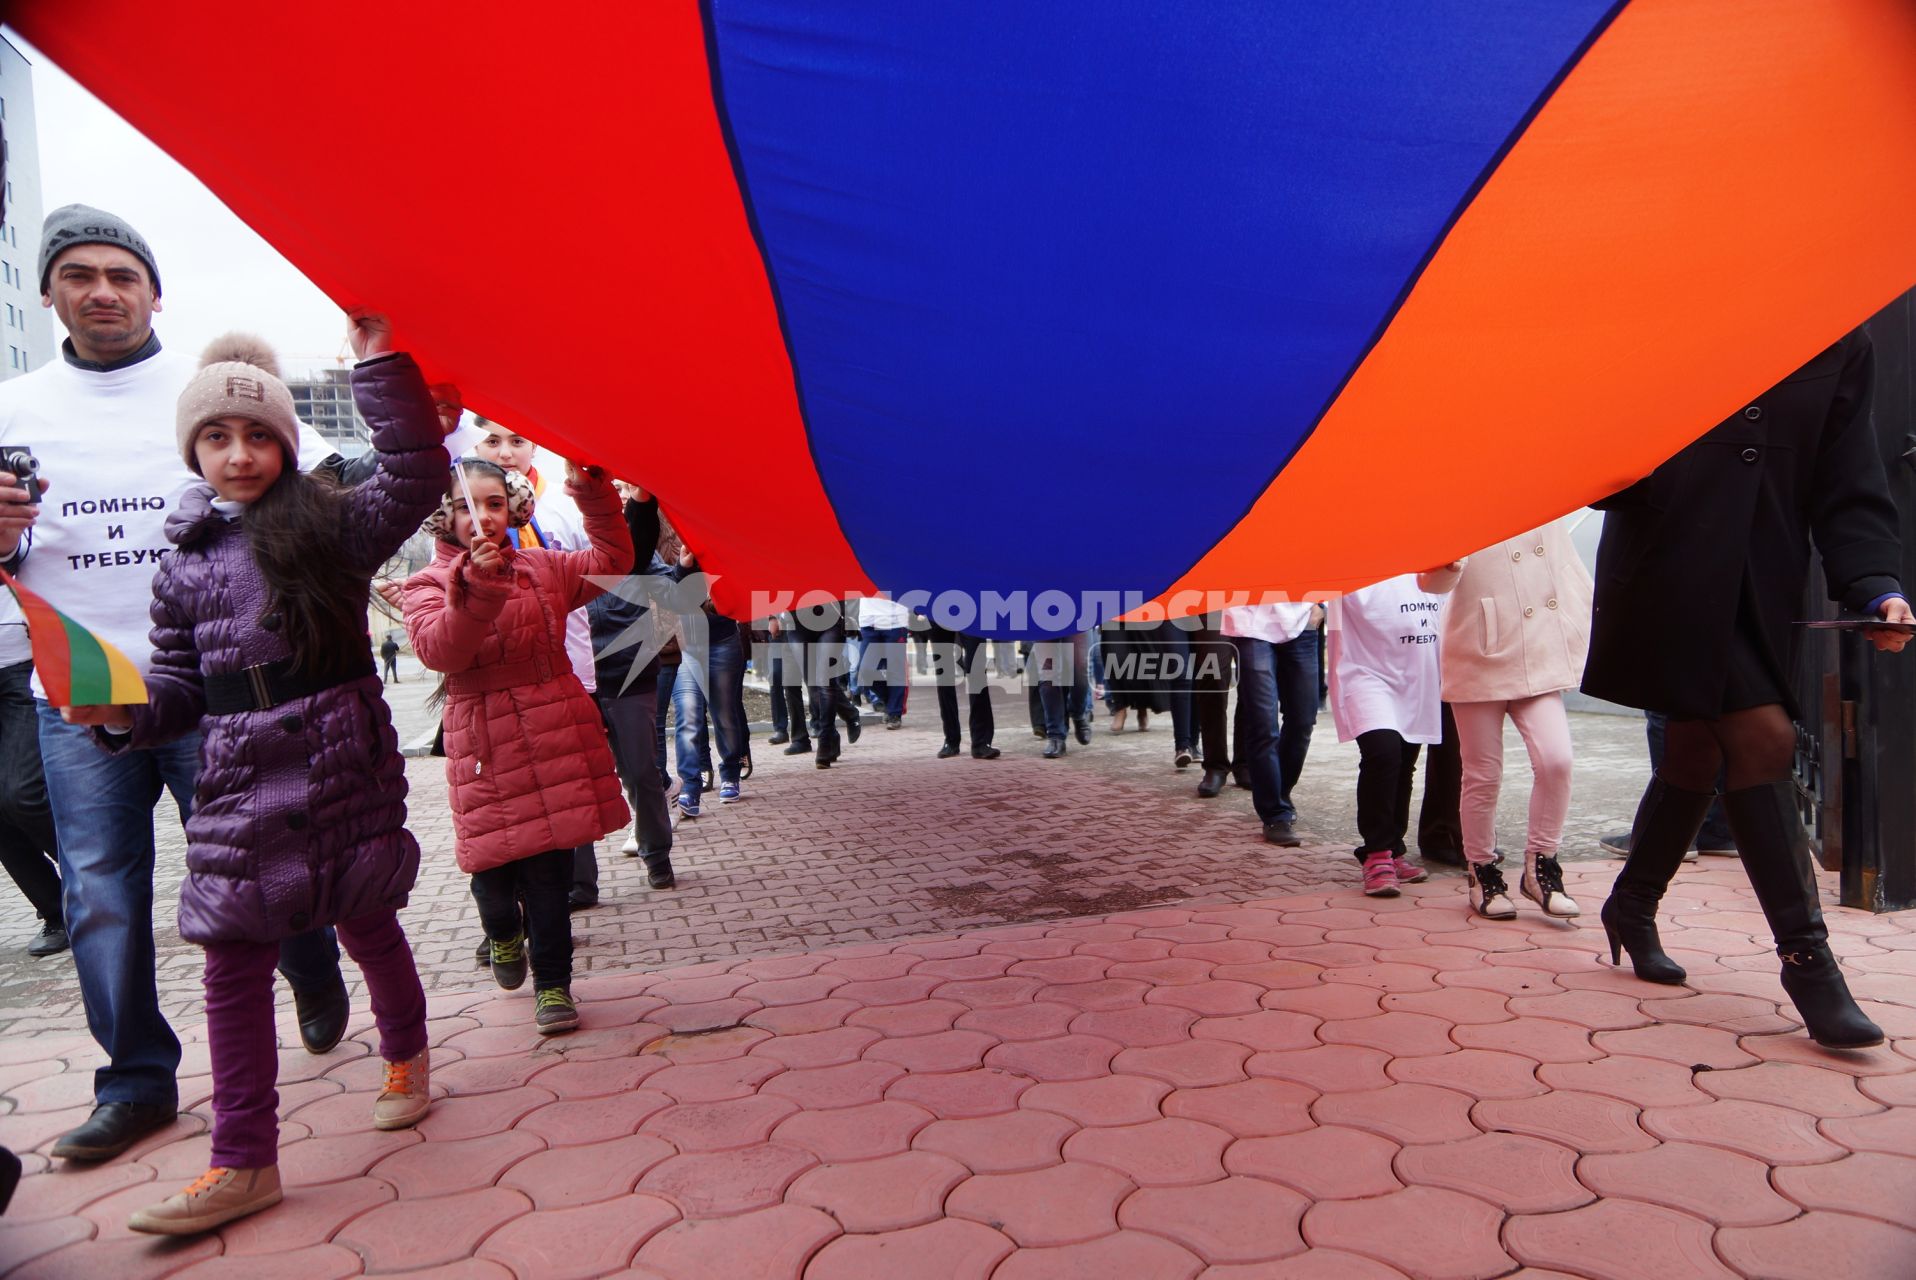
<point x="1060" y="702"/>
<point x="1276" y="680"/>
<point x="886" y="666"/>
<point x="103" y="815"/>
<point x="708" y="683"/>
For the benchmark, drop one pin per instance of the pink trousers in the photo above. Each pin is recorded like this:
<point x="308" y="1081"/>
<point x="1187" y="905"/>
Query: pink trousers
<point x="1545" y="728"/>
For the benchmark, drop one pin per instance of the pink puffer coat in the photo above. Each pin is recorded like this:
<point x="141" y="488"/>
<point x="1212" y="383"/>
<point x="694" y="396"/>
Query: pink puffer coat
<point x="527" y="764"/>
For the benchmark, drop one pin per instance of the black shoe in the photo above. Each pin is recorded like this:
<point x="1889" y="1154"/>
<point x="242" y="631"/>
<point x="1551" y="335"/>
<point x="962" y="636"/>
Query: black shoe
<point x="1616" y="844"/>
<point x="986" y="752"/>
<point x="894" y="722"/>
<point x="947" y="751"/>
<point x="1211" y="785"/>
<point x="1280" y="833"/>
<point x="1037" y="732"/>
<point x="1083" y="730"/>
<point x="1241" y="778"/>
<point x="51" y="942"/>
<point x="1053" y="748"/>
<point x="509" y="963"/>
<point x="799" y="747"/>
<point x="322" y="1017"/>
<point x="582" y="898"/>
<point x="1776" y="855"/>
<point x="483" y="954"/>
<point x="826" y="758"/>
<point x="658" y="871"/>
<point x="111" y="1129"/>
<point x="9" y="1177"/>
<point x="1447" y="856"/>
<point x="779" y="739"/>
<point x="1667" y="821"/>
<point x="1183" y="758"/>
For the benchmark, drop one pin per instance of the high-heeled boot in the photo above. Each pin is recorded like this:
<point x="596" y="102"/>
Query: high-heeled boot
<point x="1776" y="854"/>
<point x="1667" y="820"/>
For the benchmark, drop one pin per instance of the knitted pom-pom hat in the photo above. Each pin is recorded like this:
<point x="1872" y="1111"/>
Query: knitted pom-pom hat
<point x="238" y="378"/>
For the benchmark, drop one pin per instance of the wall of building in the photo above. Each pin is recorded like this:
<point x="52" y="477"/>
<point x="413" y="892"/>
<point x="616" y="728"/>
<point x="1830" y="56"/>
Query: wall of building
<point x="26" y="327"/>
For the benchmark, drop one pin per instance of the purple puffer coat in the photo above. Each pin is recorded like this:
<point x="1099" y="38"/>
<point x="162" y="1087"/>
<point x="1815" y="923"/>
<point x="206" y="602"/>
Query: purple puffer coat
<point x="299" y="816"/>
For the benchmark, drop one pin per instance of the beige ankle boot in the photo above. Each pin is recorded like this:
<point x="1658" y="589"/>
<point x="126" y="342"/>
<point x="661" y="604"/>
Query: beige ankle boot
<point x="215" y="1197"/>
<point x="407" y="1095"/>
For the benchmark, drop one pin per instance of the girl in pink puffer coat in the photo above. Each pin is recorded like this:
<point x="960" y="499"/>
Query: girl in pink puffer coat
<point x="528" y="769"/>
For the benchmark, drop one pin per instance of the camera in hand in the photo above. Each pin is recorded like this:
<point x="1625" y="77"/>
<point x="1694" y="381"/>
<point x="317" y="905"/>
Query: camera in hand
<point x="19" y="460"/>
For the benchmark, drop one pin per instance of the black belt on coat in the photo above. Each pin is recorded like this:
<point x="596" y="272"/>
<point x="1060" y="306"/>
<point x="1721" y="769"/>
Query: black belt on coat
<point x="268" y="685"/>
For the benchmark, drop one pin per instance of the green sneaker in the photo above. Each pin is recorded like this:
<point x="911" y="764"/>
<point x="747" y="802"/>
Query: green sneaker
<point x="509" y="963"/>
<point x="553" y="1011"/>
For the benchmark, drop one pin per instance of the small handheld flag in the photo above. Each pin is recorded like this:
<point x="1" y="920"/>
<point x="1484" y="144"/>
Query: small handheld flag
<point x="76" y="667"/>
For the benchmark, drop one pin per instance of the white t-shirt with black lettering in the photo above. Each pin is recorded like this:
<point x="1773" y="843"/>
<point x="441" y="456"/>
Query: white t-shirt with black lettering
<point x="1383" y="662"/>
<point x="108" y="445"/>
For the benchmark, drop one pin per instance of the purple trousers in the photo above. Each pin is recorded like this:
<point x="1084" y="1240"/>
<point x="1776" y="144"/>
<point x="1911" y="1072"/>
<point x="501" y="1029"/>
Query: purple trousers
<point x="245" y="1045"/>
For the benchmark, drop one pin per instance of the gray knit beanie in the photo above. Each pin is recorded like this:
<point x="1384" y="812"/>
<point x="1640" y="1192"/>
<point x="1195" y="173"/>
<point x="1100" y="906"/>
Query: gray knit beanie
<point x="81" y="224"/>
<point x="238" y="378"/>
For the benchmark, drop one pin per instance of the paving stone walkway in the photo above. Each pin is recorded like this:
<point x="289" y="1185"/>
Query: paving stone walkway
<point x="1009" y="1068"/>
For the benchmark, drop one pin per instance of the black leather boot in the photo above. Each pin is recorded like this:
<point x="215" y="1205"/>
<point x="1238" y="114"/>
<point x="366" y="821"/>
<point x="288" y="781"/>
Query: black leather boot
<point x="1211" y="784"/>
<point x="1667" y="821"/>
<point x="1776" y="854"/>
<point x="322" y="1017"/>
<point x="111" y="1129"/>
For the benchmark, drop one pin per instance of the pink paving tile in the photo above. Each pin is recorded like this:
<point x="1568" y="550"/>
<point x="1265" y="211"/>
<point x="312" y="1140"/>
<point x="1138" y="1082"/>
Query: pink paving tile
<point x="1326" y="1163"/>
<point x="1066" y="1057"/>
<point x="132" y="1259"/>
<point x="939" y="1051"/>
<point x="1718" y="1186"/>
<point x="826" y="1048"/>
<point x="796" y="1019"/>
<point x="1057" y="969"/>
<point x="854" y="1133"/>
<point x="1868" y="1183"/>
<point x="1248" y="1109"/>
<point x="1452" y="1004"/>
<point x="1138" y="1026"/>
<point x="1505" y="980"/>
<point x="1061" y="1204"/>
<point x="1402" y="1112"/>
<point x="578" y="1244"/>
<point x="1224" y="951"/>
<point x="583" y="1120"/>
<point x="1021" y="1021"/>
<point x="707" y="1015"/>
<point x="1809" y="1089"/>
<point x="390" y="1239"/>
<point x="1190" y="1065"/>
<point x="1331" y="1001"/>
<point x="1386" y="976"/>
<point x="1288" y="974"/>
<point x="1233" y="1220"/>
<point x="1267" y="1030"/>
<point x="1033" y="948"/>
<point x="718" y="1126"/>
<point x="308" y="1216"/>
<point x="1617" y="1240"/>
<point x="783" y="966"/>
<point x="683" y="991"/>
<point x="1803" y="1249"/>
<point x="22" y="1242"/>
<point x="316" y="1160"/>
<point x="1892" y="1132"/>
<point x="891" y="964"/>
<point x="1158" y="1153"/>
<point x="569" y="1080"/>
<point x="1891" y="1091"/>
<point x="1106" y="993"/>
<point x="1518" y="1173"/>
<point x="1586" y="1122"/>
<point x="908" y="1018"/>
<point x="1170" y="971"/>
<point x="1646" y="1082"/>
<point x="773" y="992"/>
<point x="964" y="968"/>
<point x="1775" y="1135"/>
<point x="314" y="1262"/>
<point x="949" y="1249"/>
<point x="887" y="1194"/>
<point x="566" y="1177"/>
<point x="686" y="1048"/>
<point x="767" y="1244"/>
<point x="1742" y="1014"/>
<point x="1674" y="1042"/>
<point x="1426" y="1231"/>
<point x="25" y="1132"/>
<point x="441" y="1168"/>
<point x="1210" y="999"/>
<point x="1799" y="1048"/>
<point x="1328" y="1068"/>
<point x="1401" y="1035"/>
<point x="72" y="1186"/>
<point x="1596" y="1010"/>
<point x="1481" y="1073"/>
<point x="1318" y="1264"/>
<point x="1131" y="1254"/>
<point x="1127" y="951"/>
<point x="714" y="1184"/>
<point x="1103" y="1100"/>
<point x="823" y="1088"/>
<point x="713" y="1081"/>
<point x="1009" y="1143"/>
<point x="454" y="1118"/>
<point x="61" y="1092"/>
<point x="1544" y="1039"/>
<point x="881" y="991"/>
<point x="986" y="1091"/>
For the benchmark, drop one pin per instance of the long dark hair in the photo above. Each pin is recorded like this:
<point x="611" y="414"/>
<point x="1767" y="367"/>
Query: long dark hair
<point x="293" y="530"/>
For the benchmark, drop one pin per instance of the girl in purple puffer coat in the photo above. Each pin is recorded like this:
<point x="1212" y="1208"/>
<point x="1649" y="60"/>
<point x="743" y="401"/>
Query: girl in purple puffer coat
<point x="260" y="644"/>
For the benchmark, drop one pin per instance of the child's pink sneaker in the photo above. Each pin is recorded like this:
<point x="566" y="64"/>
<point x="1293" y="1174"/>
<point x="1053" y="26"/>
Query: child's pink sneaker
<point x="1380" y="875"/>
<point x="1407" y="871"/>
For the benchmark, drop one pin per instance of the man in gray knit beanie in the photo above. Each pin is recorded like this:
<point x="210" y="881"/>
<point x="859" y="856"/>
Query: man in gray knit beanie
<point x="82" y="224"/>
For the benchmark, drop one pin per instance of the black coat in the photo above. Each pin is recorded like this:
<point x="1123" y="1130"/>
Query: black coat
<point x="1800" y="462"/>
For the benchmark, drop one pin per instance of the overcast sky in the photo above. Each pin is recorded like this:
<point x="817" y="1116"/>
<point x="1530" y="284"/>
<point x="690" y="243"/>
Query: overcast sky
<point x="218" y="275"/>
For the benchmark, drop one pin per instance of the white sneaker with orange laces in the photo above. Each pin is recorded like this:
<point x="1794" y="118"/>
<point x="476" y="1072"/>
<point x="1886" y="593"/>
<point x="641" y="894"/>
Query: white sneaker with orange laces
<point x="407" y="1095"/>
<point x="217" y="1196"/>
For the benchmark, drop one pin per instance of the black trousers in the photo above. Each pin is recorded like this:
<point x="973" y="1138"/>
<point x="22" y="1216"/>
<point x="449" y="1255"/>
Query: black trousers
<point x="27" y="842"/>
<point x="957" y="657"/>
<point x="1214" y="658"/>
<point x="541" y="882"/>
<point x="1386" y="769"/>
<point x="1440" y="824"/>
